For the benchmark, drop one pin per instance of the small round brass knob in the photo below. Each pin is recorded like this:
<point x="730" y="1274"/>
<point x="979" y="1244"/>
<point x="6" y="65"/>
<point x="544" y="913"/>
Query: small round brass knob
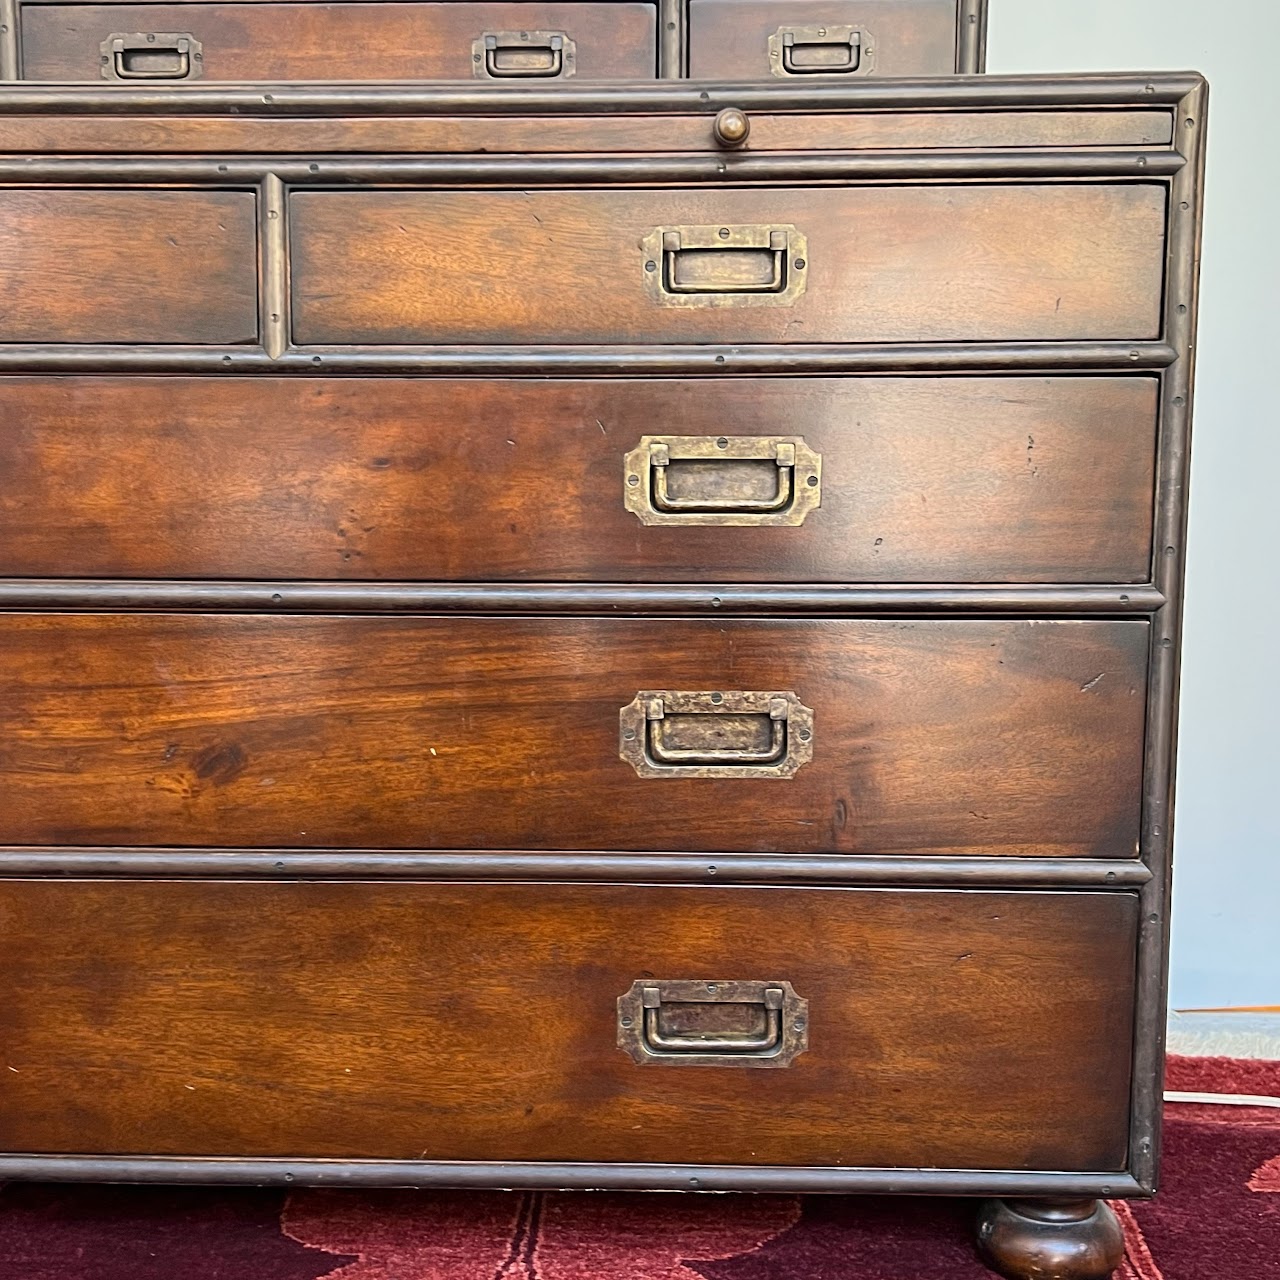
<point x="732" y="127"/>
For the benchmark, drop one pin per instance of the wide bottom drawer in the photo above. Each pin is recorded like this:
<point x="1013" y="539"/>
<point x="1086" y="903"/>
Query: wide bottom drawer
<point x="418" y="1021"/>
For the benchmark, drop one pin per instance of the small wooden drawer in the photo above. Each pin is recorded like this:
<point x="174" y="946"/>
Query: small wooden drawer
<point x="993" y="738"/>
<point x="808" y="41"/>
<point x="529" y="135"/>
<point x="947" y="479"/>
<point x="125" y="266"/>
<point x="415" y="1021"/>
<point x="497" y="44"/>
<point x="910" y="263"/>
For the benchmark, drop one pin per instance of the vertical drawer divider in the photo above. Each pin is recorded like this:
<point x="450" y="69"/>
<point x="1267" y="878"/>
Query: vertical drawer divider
<point x="273" y="238"/>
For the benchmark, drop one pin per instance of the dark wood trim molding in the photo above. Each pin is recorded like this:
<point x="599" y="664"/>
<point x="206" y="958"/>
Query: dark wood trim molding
<point x="652" y="169"/>
<point x="10" y="40"/>
<point x="659" y="98"/>
<point x="1182" y="283"/>
<point x="608" y="599"/>
<point x="576" y="362"/>
<point x="615" y="1177"/>
<point x="1028" y="872"/>
<point x="673" y="35"/>
<point x="971" y="38"/>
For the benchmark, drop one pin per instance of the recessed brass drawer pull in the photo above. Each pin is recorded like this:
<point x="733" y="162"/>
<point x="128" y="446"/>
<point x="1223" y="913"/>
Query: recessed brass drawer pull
<point x="821" y="51"/>
<point x="722" y="480"/>
<point x="523" y="55"/>
<point x="695" y="1023"/>
<point x="152" y="55"/>
<point x="716" y="735"/>
<point x="725" y="265"/>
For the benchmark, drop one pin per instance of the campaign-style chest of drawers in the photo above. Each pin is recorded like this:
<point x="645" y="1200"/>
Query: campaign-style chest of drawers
<point x="548" y="642"/>
<point x="502" y="43"/>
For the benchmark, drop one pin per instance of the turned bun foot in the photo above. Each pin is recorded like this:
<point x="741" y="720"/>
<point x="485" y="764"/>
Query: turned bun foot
<point x="1050" y="1239"/>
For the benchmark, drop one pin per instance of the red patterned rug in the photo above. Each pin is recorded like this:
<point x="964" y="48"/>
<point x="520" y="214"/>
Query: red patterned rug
<point x="1217" y="1216"/>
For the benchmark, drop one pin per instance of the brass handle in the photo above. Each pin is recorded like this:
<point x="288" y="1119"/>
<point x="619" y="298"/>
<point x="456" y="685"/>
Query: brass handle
<point x="722" y="480"/>
<point x="716" y="735"/>
<point x="660" y="463"/>
<point x="699" y="1023"/>
<point x="152" y="55"/>
<point x="712" y="266"/>
<point x="731" y="127"/>
<point x="767" y="1041"/>
<point x="821" y="51"/>
<point x="663" y="753"/>
<point x="733" y="266"/>
<point x="523" y="55"/>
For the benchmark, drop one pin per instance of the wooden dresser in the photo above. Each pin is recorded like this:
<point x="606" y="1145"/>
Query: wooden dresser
<point x="504" y="44"/>
<point x="545" y="643"/>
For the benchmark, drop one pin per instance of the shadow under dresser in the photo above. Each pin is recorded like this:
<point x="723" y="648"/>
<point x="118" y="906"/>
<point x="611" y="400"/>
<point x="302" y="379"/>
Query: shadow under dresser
<point x="624" y="637"/>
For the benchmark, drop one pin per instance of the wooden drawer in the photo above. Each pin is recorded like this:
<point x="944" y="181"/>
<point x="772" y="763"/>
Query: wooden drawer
<point x="124" y="266"/>
<point x="908" y="263"/>
<point x="922" y="479"/>
<point x="527" y="135"/>
<point x="412" y="1021"/>
<point x="520" y="44"/>
<point x="822" y="41"/>
<point x="968" y="737"/>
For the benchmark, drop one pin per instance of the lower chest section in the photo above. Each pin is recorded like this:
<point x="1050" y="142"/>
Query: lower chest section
<point x="414" y="1021"/>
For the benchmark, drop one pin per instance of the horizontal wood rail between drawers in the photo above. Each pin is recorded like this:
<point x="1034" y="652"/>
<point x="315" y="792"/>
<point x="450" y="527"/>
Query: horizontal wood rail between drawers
<point x="616" y="1177"/>
<point x="657" y="868"/>
<point x="648" y="169"/>
<point x="572" y="362"/>
<point x="608" y="599"/>
<point x="657" y="98"/>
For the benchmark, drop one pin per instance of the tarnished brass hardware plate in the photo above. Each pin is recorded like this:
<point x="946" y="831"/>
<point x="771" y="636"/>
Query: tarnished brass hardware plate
<point x="663" y="734"/>
<point x="822" y="51"/>
<point x="722" y="480"/>
<point x="713" y="1023"/>
<point x="524" y="55"/>
<point x="725" y="266"/>
<point x="152" y="55"/>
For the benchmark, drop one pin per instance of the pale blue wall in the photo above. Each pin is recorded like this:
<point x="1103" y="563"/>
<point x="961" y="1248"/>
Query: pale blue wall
<point x="1227" y="881"/>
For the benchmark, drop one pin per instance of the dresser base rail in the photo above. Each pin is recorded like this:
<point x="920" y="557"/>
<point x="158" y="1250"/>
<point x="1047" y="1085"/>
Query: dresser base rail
<point x="566" y="1176"/>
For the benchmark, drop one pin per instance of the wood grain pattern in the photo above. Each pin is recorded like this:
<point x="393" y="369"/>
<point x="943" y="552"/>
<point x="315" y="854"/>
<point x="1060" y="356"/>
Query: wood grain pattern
<point x="968" y="737"/>
<point x="354" y="41"/>
<point x="128" y="266"/>
<point x="924" y="479"/>
<point x="454" y="134"/>
<point x="418" y="1021"/>
<point x="887" y="264"/>
<point x="728" y="39"/>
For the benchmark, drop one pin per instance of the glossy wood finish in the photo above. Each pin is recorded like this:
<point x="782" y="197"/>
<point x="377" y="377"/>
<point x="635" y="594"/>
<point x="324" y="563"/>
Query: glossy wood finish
<point x="769" y="132"/>
<point x="478" y="1022"/>
<point x="924" y="480"/>
<point x="239" y="136"/>
<point x="886" y="264"/>
<point x="189" y="274"/>
<point x="1129" y="90"/>
<point x="370" y="40"/>
<point x="964" y="737"/>
<point x="1050" y="1239"/>
<point x="728" y="39"/>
